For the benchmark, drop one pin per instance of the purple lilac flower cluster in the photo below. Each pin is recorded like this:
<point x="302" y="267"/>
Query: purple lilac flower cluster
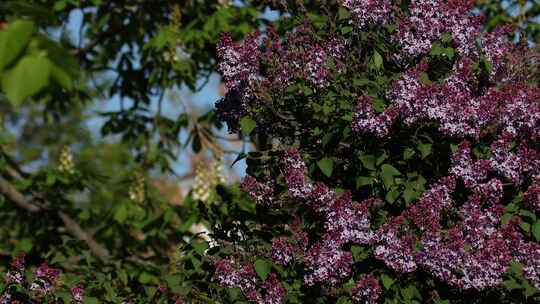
<point x="365" y="118"/>
<point x="77" y="292"/>
<point x="238" y="62"/>
<point x="299" y="56"/>
<point x="462" y="255"/>
<point x="454" y="105"/>
<point x="261" y="192"/>
<point x="44" y="282"/>
<point x="45" y="279"/>
<point x="365" y="12"/>
<point x="344" y="221"/>
<point x="428" y="20"/>
<point x="232" y="274"/>
<point x="457" y="104"/>
<point x="290" y="248"/>
<point x="367" y="290"/>
<point x="532" y="195"/>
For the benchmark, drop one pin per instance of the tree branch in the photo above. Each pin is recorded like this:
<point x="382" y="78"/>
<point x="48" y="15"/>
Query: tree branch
<point x="16" y="197"/>
<point x="73" y="227"/>
<point x="13" y="195"/>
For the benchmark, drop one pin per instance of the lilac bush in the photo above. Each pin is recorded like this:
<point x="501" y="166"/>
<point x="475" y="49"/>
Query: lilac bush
<point x="398" y="157"/>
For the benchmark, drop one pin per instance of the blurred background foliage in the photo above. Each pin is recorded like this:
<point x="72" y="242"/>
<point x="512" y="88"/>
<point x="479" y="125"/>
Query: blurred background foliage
<point x="109" y="169"/>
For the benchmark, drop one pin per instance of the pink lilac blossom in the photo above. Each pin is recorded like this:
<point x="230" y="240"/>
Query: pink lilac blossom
<point x="366" y="120"/>
<point x="282" y="251"/>
<point x="315" y="67"/>
<point x="490" y="192"/>
<point x="295" y="178"/>
<point x="532" y="196"/>
<point x="473" y="254"/>
<point x="463" y="166"/>
<point x="16" y="274"/>
<point x="430" y="19"/>
<point x="462" y="255"/>
<point x="504" y="161"/>
<point x="231" y="274"/>
<point x="496" y="46"/>
<point x="448" y="103"/>
<point x="396" y="249"/>
<point x="344" y="221"/>
<point x="404" y="92"/>
<point x="77" y="293"/>
<point x="348" y="222"/>
<point x="261" y="193"/>
<point x="528" y="254"/>
<point x="298" y="57"/>
<point x="14" y="277"/>
<point x="455" y="106"/>
<point x="327" y="263"/>
<point x="337" y="49"/>
<point x="46" y="272"/>
<point x="238" y="63"/>
<point x="368" y="12"/>
<point x="441" y="255"/>
<point x="6" y="298"/>
<point x="287" y="249"/>
<point x="367" y="290"/>
<point x="45" y="279"/>
<point x="426" y="213"/>
<point x="274" y="292"/>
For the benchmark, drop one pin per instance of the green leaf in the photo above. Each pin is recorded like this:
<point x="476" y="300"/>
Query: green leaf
<point x="199" y="247"/>
<point x="387" y="281"/>
<point x="359" y="253"/>
<point x="343" y="300"/>
<point x="91" y="300"/>
<point x="424" y="78"/>
<point x="409" y="195"/>
<point x="368" y="161"/>
<point x="449" y="52"/>
<point x="536" y="230"/>
<point x="387" y="174"/>
<point x="529" y="289"/>
<point x="446" y="37"/>
<point x="27" y="78"/>
<point x="13" y="40"/>
<point x="377" y="60"/>
<point x="408" y="153"/>
<point x="392" y="195"/>
<point x="25" y="245"/>
<point x="146" y="278"/>
<point x="343" y="13"/>
<point x="326" y="165"/>
<point x="525" y="226"/>
<point x="61" y="77"/>
<point x="425" y="149"/>
<point x="120" y="214"/>
<point x="410" y="292"/>
<point x="363" y="181"/>
<point x="247" y="125"/>
<point x="173" y="280"/>
<point x="511" y="284"/>
<point x="262" y="267"/>
<point x="346" y="29"/>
